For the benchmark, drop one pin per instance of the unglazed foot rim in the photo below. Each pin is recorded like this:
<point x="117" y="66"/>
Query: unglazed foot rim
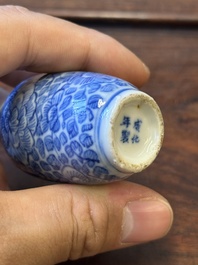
<point x="137" y="130"/>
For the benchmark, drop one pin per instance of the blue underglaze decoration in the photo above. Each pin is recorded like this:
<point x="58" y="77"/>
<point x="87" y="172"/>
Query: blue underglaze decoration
<point x="48" y="128"/>
<point x="99" y="171"/>
<point x="49" y="144"/>
<point x="63" y="159"/>
<point x="126" y="121"/>
<point x="87" y="127"/>
<point x="126" y="133"/>
<point x="63" y="138"/>
<point x="137" y="125"/>
<point x="135" y="139"/>
<point x="125" y="136"/>
<point x="69" y="151"/>
<point x="86" y="140"/>
<point x="93" y="101"/>
<point x="45" y="166"/>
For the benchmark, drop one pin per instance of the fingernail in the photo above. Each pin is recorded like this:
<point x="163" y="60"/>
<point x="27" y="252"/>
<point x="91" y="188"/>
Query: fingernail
<point x="146" y="220"/>
<point x="147" y="70"/>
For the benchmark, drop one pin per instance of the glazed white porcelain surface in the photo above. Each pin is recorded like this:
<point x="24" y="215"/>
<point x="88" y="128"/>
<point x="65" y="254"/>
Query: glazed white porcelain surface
<point x="80" y="127"/>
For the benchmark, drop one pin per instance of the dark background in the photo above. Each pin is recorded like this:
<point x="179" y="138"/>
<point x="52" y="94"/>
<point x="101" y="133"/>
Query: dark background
<point x="164" y="34"/>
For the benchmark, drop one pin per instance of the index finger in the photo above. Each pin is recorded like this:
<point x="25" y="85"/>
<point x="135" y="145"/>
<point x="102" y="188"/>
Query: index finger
<point x="41" y="43"/>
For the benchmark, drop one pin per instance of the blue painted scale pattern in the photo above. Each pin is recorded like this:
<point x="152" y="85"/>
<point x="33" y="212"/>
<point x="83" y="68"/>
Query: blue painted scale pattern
<point x="47" y="126"/>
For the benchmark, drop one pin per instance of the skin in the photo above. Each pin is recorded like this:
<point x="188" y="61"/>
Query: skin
<point x="51" y="224"/>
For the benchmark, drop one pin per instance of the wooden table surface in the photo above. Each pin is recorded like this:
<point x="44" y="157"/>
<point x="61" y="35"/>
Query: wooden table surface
<point x="165" y="35"/>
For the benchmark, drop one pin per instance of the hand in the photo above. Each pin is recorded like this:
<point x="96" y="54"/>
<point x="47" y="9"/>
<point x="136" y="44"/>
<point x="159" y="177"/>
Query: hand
<point x="55" y="223"/>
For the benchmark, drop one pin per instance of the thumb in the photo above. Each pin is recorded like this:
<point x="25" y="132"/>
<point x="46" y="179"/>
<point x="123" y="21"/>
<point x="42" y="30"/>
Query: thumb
<point x="55" y="223"/>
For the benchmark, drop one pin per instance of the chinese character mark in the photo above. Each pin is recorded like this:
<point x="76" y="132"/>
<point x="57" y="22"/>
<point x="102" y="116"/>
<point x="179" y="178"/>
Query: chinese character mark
<point x="125" y="136"/>
<point x="135" y="139"/>
<point x="126" y="121"/>
<point x="137" y="125"/>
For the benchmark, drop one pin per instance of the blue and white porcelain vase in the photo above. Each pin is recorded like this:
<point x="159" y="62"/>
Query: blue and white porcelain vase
<point x="80" y="127"/>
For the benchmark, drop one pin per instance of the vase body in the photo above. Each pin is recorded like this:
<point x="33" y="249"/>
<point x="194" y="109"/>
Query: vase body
<point x="80" y="127"/>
